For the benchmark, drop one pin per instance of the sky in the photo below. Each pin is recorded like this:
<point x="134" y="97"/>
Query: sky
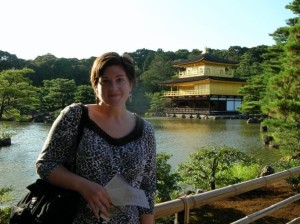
<point x="85" y="28"/>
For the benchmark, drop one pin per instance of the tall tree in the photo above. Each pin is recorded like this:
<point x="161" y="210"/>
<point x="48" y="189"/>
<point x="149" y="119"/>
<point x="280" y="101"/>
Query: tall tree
<point x="252" y="93"/>
<point x="10" y="61"/>
<point x="283" y="100"/>
<point x="57" y="93"/>
<point x="84" y="94"/>
<point x="15" y="92"/>
<point x="160" y="69"/>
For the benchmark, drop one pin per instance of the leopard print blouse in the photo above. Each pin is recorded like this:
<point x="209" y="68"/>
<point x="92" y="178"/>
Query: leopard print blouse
<point x="99" y="157"/>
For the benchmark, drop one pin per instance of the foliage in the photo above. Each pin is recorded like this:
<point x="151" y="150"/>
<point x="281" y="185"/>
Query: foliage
<point x="48" y="67"/>
<point x="250" y="63"/>
<point x="285" y="134"/>
<point x="4" y="133"/>
<point x="4" y="215"/>
<point x="84" y="94"/>
<point x="203" y="166"/>
<point x="166" y="179"/>
<point x="282" y="102"/>
<point x="56" y="94"/>
<point x="9" y="61"/>
<point x="4" y="194"/>
<point x="142" y="59"/>
<point x="252" y="94"/>
<point x="238" y="173"/>
<point x="4" y="211"/>
<point x="159" y="70"/>
<point x="289" y="163"/>
<point x="157" y="104"/>
<point x="15" y="91"/>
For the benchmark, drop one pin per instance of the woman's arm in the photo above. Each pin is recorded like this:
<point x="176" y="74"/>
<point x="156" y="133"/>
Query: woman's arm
<point x="94" y="194"/>
<point x="149" y="179"/>
<point x="59" y="152"/>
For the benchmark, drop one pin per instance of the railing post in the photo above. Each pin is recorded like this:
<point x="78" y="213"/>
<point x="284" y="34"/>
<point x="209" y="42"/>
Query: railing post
<point x="186" y="211"/>
<point x="185" y="214"/>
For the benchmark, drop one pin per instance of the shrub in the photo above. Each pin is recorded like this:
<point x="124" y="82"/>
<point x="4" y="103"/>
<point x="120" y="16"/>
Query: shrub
<point x="166" y="179"/>
<point x="4" y="211"/>
<point x="205" y="166"/>
<point x="289" y="163"/>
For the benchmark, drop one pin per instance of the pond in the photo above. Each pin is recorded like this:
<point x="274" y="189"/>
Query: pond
<point x="175" y="136"/>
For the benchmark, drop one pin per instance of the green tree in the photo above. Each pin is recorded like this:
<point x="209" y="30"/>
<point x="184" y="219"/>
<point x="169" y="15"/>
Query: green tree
<point x="252" y="93"/>
<point x="202" y="166"/>
<point x="84" y="94"/>
<point x="282" y="102"/>
<point x="15" y="92"/>
<point x="160" y="69"/>
<point x="157" y="103"/>
<point x="10" y="61"/>
<point x="166" y="179"/>
<point x="57" y="93"/>
<point x="247" y="67"/>
<point x="5" y="211"/>
<point x="142" y="59"/>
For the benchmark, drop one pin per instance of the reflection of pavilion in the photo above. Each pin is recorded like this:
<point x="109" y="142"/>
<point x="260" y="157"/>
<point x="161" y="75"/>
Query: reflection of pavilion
<point x="205" y="87"/>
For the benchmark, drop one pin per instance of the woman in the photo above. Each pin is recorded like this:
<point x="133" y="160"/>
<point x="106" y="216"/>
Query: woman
<point x="114" y="141"/>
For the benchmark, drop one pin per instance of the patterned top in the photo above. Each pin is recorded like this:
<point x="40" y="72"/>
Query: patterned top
<point x="99" y="157"/>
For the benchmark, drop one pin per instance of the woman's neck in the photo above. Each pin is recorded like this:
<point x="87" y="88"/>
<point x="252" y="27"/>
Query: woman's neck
<point x="113" y="112"/>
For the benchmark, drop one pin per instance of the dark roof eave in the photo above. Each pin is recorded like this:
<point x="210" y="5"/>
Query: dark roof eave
<point x="205" y="57"/>
<point x="199" y="78"/>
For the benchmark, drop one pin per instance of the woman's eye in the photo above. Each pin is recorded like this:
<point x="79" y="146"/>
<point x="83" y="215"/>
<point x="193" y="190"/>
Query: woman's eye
<point x="120" y="81"/>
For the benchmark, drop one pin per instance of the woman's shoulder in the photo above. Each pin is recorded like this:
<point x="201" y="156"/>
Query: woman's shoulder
<point x="72" y="112"/>
<point x="73" y="108"/>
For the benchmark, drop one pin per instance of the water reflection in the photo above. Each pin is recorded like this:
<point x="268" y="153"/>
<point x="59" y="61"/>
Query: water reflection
<point x="180" y="137"/>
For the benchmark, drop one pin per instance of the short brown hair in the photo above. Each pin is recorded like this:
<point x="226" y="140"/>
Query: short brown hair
<point x="109" y="59"/>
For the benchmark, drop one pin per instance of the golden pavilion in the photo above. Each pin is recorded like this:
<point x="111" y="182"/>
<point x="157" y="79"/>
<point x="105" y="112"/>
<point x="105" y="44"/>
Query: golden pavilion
<point x="205" y="86"/>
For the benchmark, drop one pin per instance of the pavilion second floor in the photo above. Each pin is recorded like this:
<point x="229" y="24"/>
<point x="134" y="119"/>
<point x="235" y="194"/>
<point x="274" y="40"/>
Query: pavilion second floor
<point x="204" y="87"/>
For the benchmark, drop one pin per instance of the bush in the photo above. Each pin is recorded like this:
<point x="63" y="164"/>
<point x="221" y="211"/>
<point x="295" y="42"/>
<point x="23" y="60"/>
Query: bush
<point x="4" y="215"/>
<point x="289" y="163"/>
<point x="238" y="173"/>
<point x="166" y="179"/>
<point x="204" y="167"/>
<point x="4" y="211"/>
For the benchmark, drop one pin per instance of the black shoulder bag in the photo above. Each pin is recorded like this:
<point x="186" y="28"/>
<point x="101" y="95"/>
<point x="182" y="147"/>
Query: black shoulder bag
<point x="46" y="203"/>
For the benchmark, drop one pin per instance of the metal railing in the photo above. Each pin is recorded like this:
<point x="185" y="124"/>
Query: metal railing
<point x="195" y="201"/>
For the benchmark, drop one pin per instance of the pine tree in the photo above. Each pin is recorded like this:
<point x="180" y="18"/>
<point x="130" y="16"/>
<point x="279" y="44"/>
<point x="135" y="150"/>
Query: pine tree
<point x="282" y="103"/>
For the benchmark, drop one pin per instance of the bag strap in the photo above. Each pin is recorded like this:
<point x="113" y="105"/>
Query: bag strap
<point x="83" y="119"/>
<point x="84" y="116"/>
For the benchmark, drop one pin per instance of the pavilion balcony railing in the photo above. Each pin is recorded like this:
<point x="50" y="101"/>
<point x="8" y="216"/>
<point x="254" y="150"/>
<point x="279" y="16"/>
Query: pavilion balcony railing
<point x="187" y="93"/>
<point x="185" y="204"/>
<point x="184" y="74"/>
<point x="203" y="92"/>
<point x="187" y="110"/>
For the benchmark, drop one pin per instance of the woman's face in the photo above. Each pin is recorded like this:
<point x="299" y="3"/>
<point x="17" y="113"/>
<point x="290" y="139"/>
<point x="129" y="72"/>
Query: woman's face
<point x="114" y="86"/>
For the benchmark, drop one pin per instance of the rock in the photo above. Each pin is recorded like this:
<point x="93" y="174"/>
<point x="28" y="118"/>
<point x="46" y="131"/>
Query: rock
<point x="5" y="142"/>
<point x="267" y="170"/>
<point x="253" y="120"/>
<point x="263" y="128"/>
<point x="267" y="139"/>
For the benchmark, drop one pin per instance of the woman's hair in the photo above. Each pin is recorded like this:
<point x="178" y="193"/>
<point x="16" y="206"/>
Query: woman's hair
<point x="109" y="59"/>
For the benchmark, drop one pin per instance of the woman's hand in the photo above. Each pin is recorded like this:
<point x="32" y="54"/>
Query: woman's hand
<point x="97" y="198"/>
<point x="95" y="195"/>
